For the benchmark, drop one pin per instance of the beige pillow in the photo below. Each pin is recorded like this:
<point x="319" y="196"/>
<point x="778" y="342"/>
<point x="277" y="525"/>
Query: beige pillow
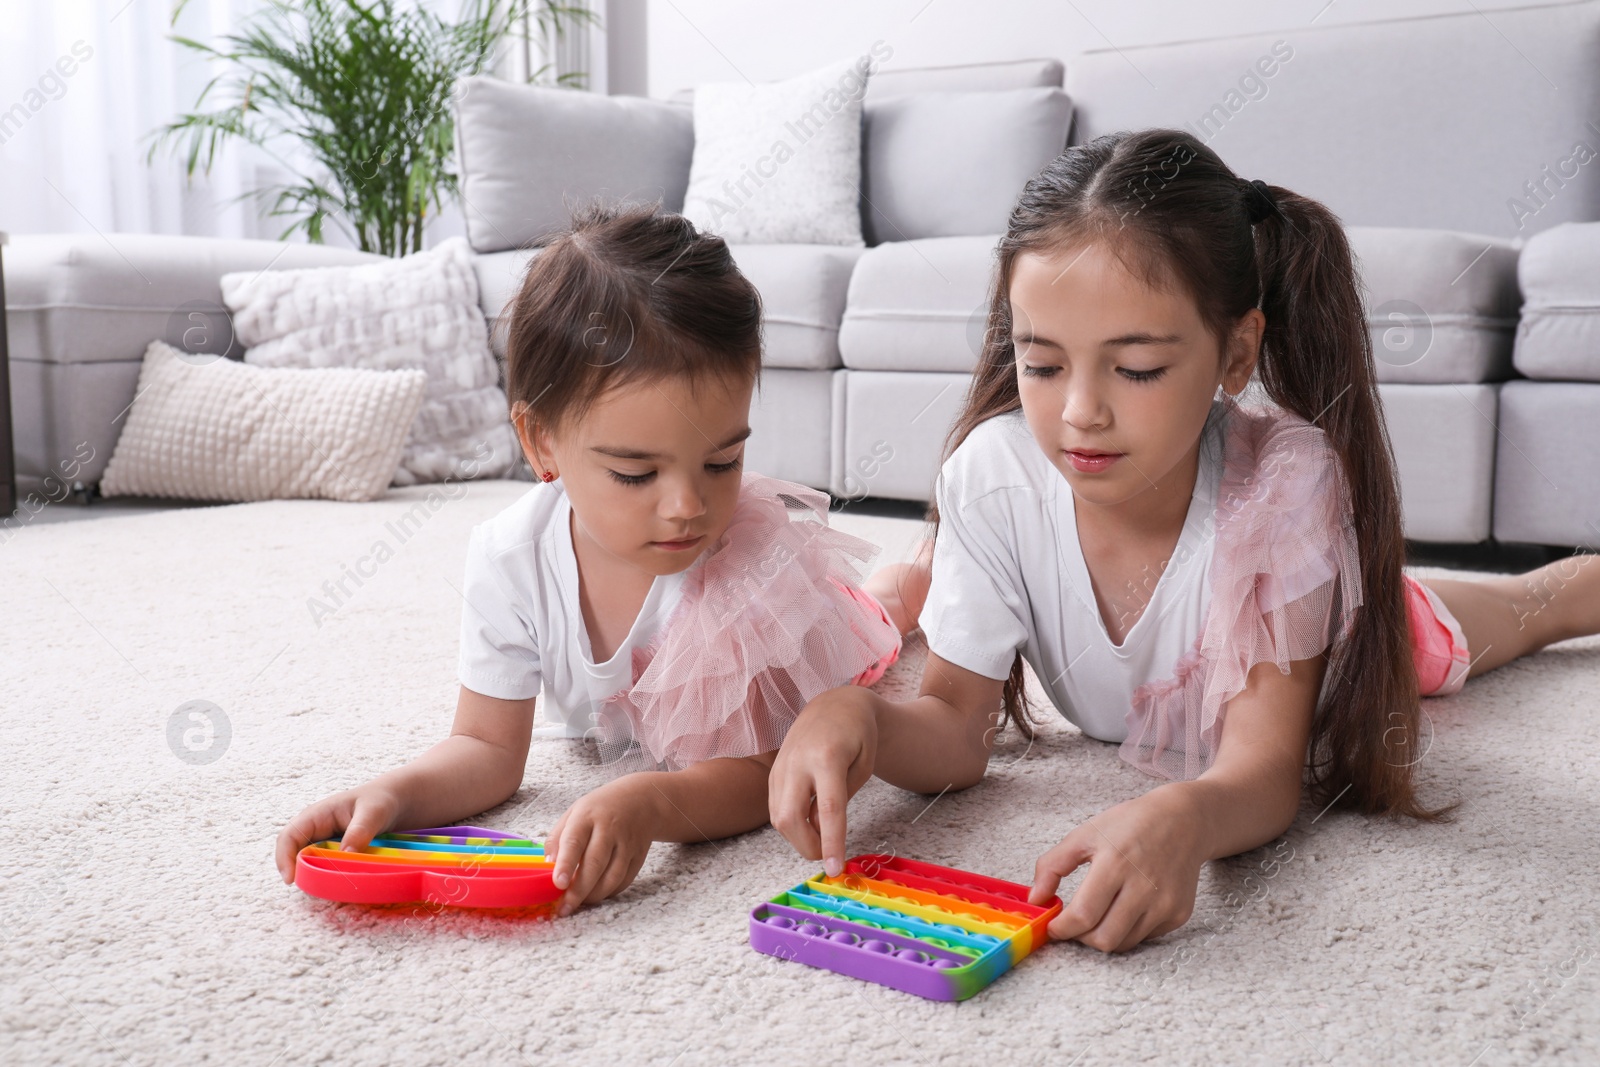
<point x="207" y="428"/>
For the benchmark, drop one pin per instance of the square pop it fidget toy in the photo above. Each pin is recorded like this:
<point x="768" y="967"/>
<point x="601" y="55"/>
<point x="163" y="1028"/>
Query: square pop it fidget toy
<point x="463" y="866"/>
<point x="934" y="931"/>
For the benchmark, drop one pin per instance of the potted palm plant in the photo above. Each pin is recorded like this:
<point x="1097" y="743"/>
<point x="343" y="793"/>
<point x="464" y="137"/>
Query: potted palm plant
<point x="365" y="88"/>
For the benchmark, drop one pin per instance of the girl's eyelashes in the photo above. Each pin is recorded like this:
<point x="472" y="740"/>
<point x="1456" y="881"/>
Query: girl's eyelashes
<point x="1050" y="371"/>
<point x="641" y="479"/>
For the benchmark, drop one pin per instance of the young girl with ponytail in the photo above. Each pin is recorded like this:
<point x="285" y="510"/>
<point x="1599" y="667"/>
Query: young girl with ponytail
<point x="1214" y="585"/>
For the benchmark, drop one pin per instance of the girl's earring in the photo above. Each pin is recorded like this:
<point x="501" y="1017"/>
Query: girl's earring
<point x="547" y="476"/>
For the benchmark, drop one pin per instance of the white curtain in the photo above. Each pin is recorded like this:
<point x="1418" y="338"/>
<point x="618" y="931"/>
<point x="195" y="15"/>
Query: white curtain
<point x="82" y="82"/>
<point x="82" y="85"/>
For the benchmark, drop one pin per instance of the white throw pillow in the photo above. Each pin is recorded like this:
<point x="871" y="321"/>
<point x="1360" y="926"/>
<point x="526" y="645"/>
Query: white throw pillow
<point x="418" y="312"/>
<point x="208" y="428"/>
<point x="780" y="163"/>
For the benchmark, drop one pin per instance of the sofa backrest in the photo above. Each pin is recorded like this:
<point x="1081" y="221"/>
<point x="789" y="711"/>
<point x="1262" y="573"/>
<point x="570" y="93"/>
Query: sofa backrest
<point x="528" y="155"/>
<point x="1482" y="121"/>
<point x="965" y="78"/>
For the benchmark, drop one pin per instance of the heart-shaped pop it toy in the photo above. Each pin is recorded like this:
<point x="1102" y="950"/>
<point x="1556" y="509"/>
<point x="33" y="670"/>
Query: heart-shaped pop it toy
<point x="460" y="866"/>
<point x="934" y="931"/>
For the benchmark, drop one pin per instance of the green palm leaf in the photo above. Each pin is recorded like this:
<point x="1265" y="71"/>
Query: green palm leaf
<point x="364" y="89"/>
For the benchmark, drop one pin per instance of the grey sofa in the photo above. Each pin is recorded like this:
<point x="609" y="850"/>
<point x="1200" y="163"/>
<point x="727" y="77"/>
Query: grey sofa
<point x="1444" y="146"/>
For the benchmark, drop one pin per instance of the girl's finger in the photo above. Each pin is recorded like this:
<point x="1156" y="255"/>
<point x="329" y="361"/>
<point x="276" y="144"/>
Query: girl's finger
<point x="1073" y="852"/>
<point x="1088" y="906"/>
<point x="552" y="841"/>
<point x="596" y="858"/>
<point x="571" y="841"/>
<point x="791" y="808"/>
<point x="1141" y="931"/>
<point x="366" y="822"/>
<point x="1166" y="926"/>
<point x="1136" y="933"/>
<point x="831" y="813"/>
<point x="616" y="878"/>
<point x="1116" y="924"/>
<point x="313" y="824"/>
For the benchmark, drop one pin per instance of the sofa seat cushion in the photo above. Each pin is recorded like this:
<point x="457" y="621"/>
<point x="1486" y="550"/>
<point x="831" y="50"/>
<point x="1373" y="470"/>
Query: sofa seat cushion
<point x="919" y="305"/>
<point x="1559" y="335"/>
<point x="1442" y="306"/>
<point x="82" y="298"/>
<point x="802" y="291"/>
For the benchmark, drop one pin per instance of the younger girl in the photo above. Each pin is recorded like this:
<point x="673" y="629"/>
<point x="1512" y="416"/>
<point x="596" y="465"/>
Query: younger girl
<point x="677" y="611"/>
<point x="1217" y="587"/>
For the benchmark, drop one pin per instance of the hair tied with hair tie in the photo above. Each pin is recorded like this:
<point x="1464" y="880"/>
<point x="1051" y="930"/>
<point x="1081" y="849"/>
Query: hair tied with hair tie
<point x="1259" y="201"/>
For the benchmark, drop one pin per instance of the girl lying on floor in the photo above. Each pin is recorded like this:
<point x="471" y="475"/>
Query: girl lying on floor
<point x="1217" y="587"/>
<point x="674" y="608"/>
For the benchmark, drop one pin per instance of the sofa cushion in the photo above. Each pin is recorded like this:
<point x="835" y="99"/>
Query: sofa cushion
<point x="1444" y="453"/>
<point x="918" y="305"/>
<point x="802" y="291"/>
<point x="780" y="162"/>
<point x="83" y="298"/>
<point x="1559" y="335"/>
<point x="792" y="425"/>
<point x="527" y="154"/>
<point x="208" y="428"/>
<point x="892" y="430"/>
<point x="918" y="150"/>
<point x="1442" y="306"/>
<point x="420" y="311"/>
<point x="1546" y="479"/>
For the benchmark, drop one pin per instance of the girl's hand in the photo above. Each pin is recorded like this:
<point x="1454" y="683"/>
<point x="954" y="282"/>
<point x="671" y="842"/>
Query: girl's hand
<point x="1146" y="857"/>
<point x="828" y="754"/>
<point x="600" y="843"/>
<point x="362" y="813"/>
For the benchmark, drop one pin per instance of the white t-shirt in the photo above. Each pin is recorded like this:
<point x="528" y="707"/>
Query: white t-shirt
<point x="1009" y="574"/>
<point x="522" y="629"/>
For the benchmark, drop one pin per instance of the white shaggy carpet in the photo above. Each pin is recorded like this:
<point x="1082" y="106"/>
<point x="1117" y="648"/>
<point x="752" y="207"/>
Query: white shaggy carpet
<point x="143" y="921"/>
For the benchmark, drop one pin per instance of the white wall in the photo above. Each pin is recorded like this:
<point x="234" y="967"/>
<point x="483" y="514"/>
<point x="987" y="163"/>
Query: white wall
<point x="693" y="41"/>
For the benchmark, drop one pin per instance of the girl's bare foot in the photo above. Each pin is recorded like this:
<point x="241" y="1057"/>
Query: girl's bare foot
<point x="902" y="588"/>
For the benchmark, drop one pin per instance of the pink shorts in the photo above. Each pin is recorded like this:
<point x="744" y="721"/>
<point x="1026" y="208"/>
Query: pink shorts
<point x="1438" y="648"/>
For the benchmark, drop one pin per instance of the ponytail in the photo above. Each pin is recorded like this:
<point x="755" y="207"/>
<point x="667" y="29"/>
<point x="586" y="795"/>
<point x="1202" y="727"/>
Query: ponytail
<point x="1316" y="361"/>
<point x="1174" y="213"/>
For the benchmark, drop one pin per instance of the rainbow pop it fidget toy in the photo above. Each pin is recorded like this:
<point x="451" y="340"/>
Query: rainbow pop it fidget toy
<point x="934" y="931"/>
<point x="461" y="866"/>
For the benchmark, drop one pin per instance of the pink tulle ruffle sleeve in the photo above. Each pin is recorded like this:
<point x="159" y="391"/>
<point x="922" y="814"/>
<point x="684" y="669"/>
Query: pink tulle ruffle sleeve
<point x="764" y="623"/>
<point x="1285" y="564"/>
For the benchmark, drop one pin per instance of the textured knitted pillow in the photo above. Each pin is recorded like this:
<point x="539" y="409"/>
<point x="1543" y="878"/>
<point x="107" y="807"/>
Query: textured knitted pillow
<point x="418" y="312"/>
<point x="221" y="430"/>
<point x="779" y="163"/>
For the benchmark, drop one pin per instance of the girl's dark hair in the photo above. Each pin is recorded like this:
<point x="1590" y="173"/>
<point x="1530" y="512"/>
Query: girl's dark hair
<point x="627" y="293"/>
<point x="1176" y="216"/>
